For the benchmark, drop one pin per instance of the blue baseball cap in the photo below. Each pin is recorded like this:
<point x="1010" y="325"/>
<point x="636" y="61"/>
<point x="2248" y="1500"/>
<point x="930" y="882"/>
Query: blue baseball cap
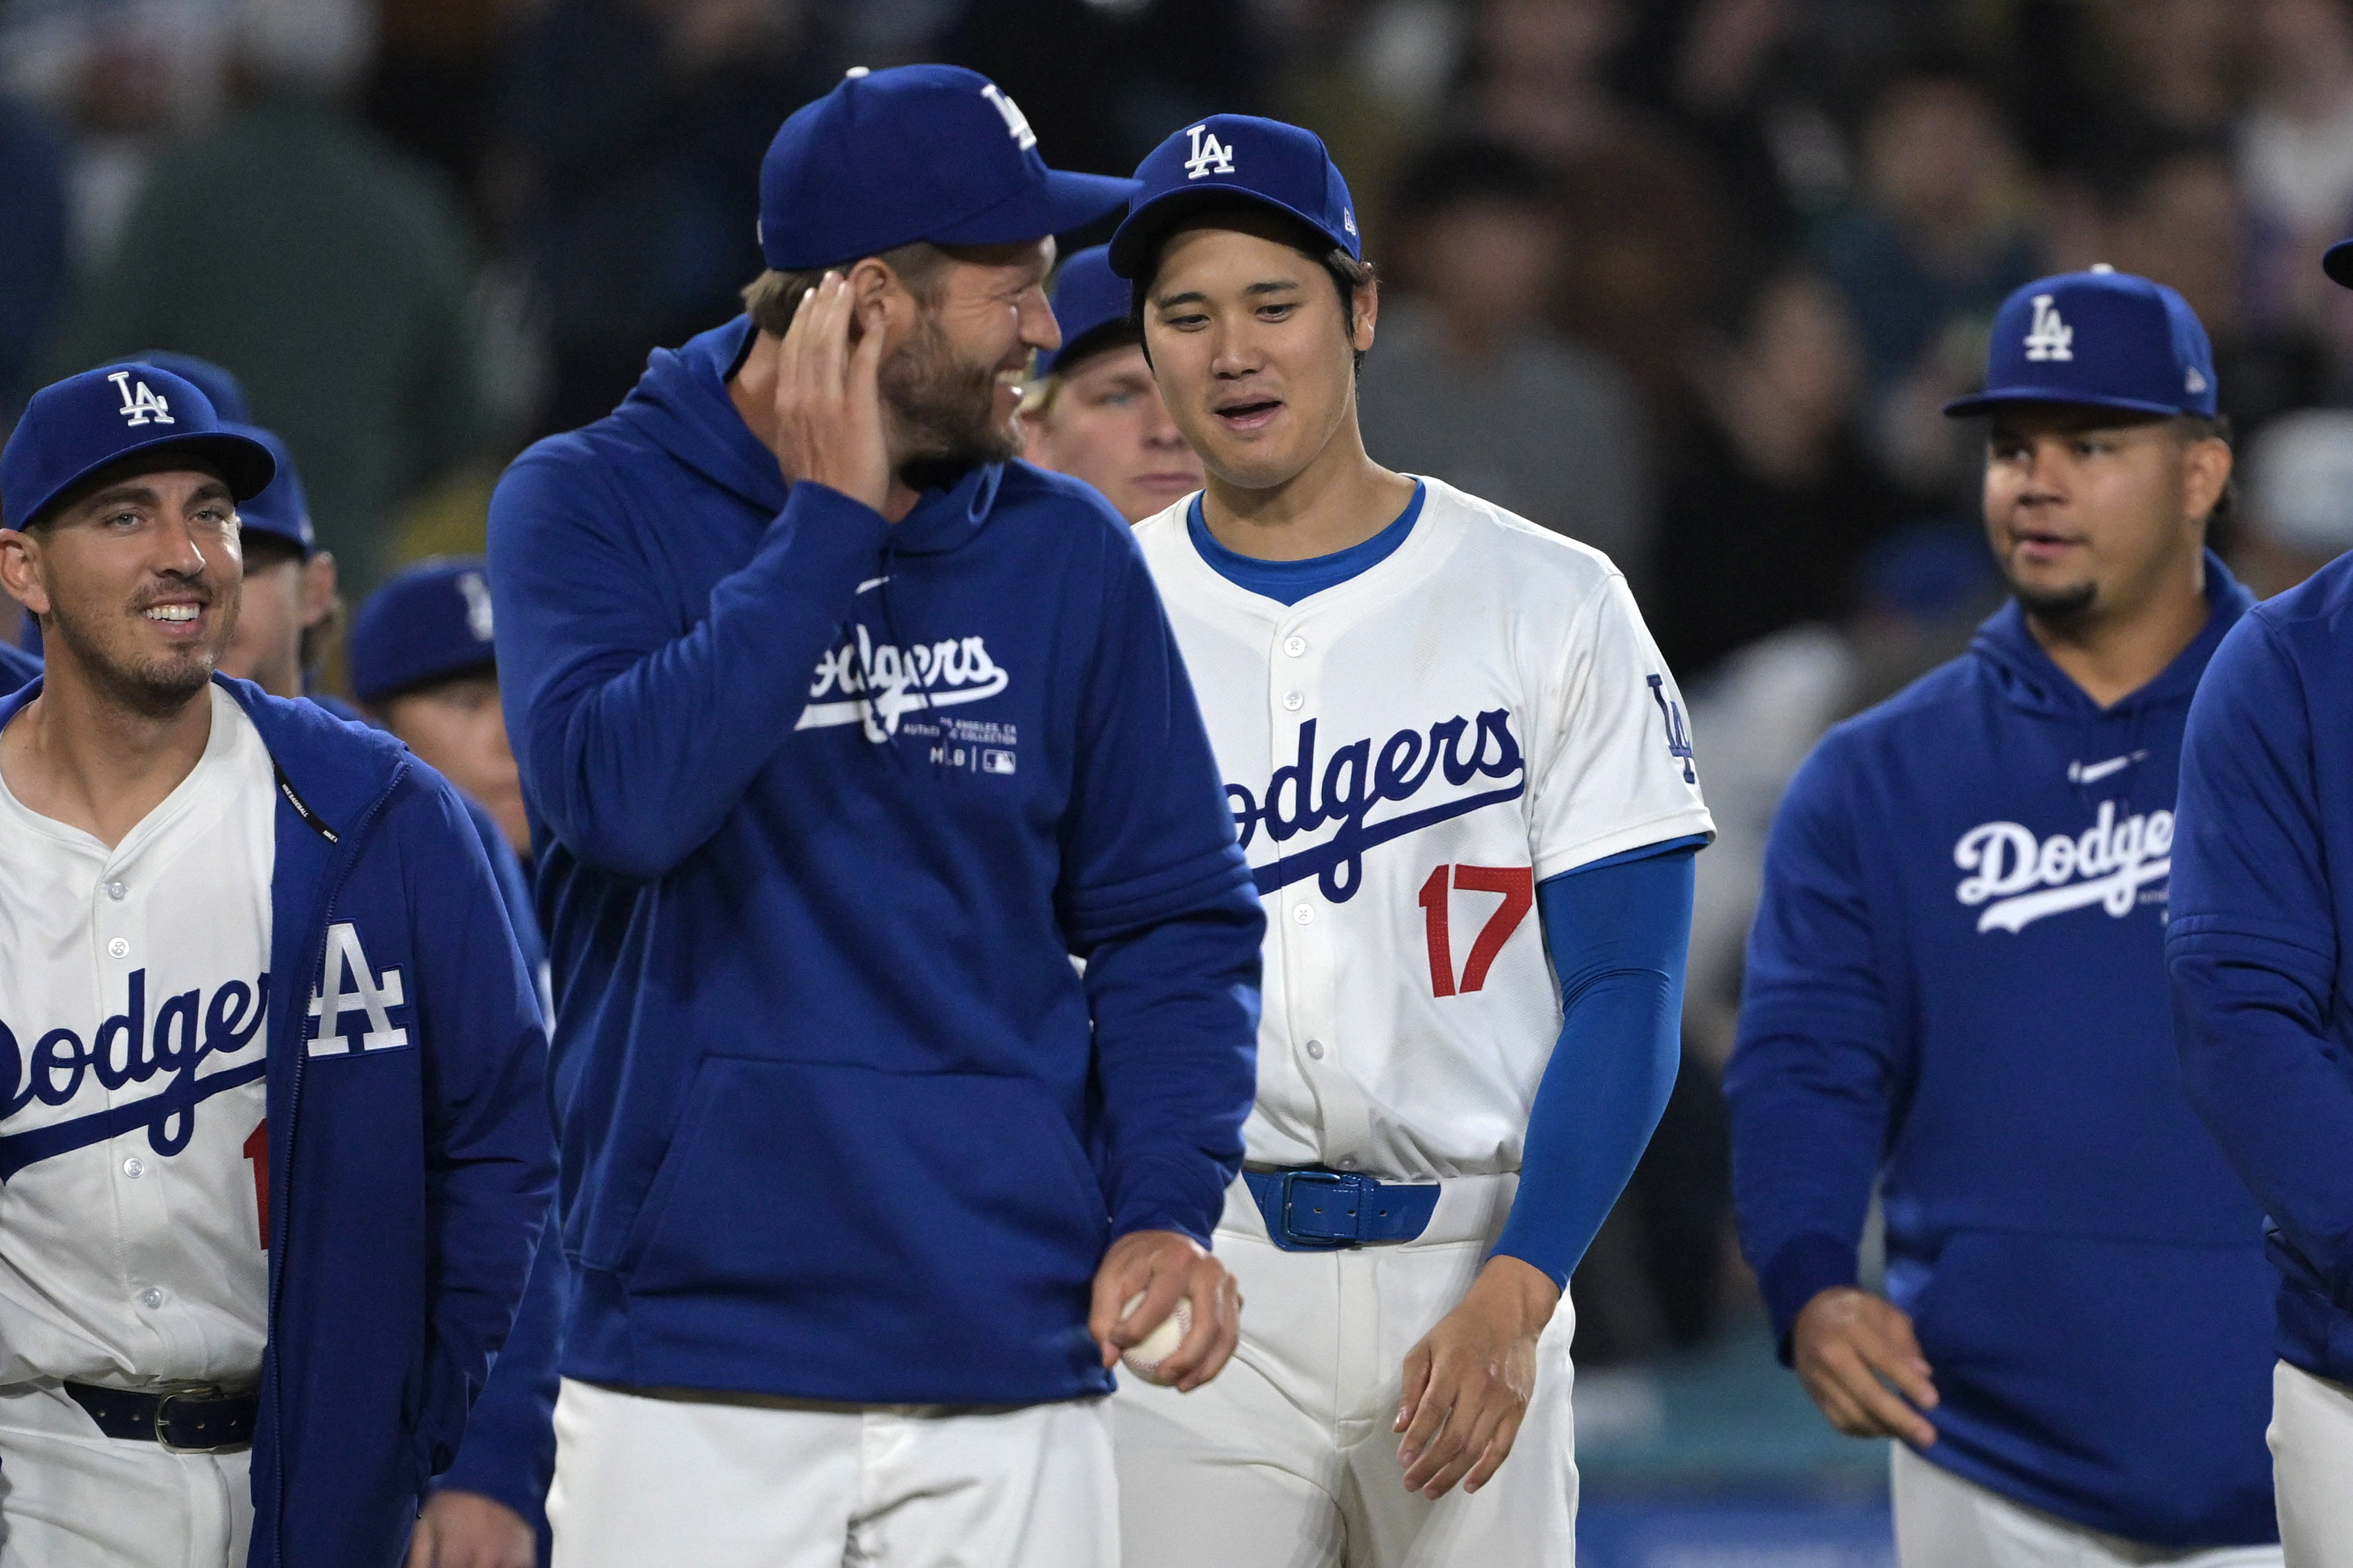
<point x="282" y="510"/>
<point x="429" y="623"/>
<point x="220" y="387"/>
<point x="1090" y="301"/>
<point x="1226" y="156"/>
<point x="2338" y="262"/>
<point x="74" y="428"/>
<point x="2104" y="338"/>
<point x="933" y="152"/>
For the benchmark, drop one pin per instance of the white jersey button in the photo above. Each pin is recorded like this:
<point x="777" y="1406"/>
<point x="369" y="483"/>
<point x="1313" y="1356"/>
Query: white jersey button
<point x="1315" y="1049"/>
<point x="1292" y="700"/>
<point x="1304" y="913"/>
<point x="118" y="948"/>
<point x="151" y="1298"/>
<point x="1294" y="646"/>
<point x="134" y="1167"/>
<point x="115" y="891"/>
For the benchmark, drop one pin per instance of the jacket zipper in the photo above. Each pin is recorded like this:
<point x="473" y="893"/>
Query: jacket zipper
<point x="283" y="1214"/>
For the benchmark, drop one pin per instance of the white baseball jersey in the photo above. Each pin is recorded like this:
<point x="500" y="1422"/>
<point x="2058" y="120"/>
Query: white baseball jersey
<point x="1407" y="754"/>
<point x="131" y="990"/>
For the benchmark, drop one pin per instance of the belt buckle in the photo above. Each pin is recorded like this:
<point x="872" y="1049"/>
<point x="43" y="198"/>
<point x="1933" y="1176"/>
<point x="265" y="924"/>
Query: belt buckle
<point x="163" y="1415"/>
<point x="1336" y="1183"/>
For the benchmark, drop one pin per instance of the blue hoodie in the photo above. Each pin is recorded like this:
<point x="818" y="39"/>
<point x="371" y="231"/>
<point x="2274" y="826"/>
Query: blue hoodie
<point x="839" y="1118"/>
<point x="1954" y="985"/>
<point x="407" y="1182"/>
<point x="2262" y="969"/>
<point x="16" y="667"/>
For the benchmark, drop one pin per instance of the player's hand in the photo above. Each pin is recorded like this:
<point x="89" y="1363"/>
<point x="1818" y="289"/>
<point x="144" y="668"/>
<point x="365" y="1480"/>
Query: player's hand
<point x="1849" y="1347"/>
<point x="1166" y="1265"/>
<point x="467" y="1530"/>
<point x="829" y="396"/>
<point x="1468" y="1383"/>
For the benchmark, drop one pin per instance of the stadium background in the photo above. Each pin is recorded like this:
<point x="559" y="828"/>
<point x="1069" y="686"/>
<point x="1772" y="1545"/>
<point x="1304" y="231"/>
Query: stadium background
<point x="1687" y="278"/>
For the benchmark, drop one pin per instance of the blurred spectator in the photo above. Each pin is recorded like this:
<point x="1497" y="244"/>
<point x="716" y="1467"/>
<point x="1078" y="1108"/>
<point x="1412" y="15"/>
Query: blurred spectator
<point x="322" y="266"/>
<point x="2295" y="145"/>
<point x="433" y="87"/>
<point x="631" y="134"/>
<point x="2173" y="211"/>
<point x="1466" y="383"/>
<point x="1771" y="498"/>
<point x="2298" y="481"/>
<point x="1645" y="229"/>
<point x="2177" y="62"/>
<point x="32" y="248"/>
<point x="1102" y="81"/>
<point x="122" y="76"/>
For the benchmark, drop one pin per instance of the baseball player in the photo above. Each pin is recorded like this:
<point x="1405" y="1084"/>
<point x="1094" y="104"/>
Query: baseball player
<point x="424" y="666"/>
<point x="842" y="733"/>
<point x="1435" y="721"/>
<point x="1093" y="412"/>
<point x="2263" y="1000"/>
<point x="1954" y="991"/>
<point x="273" y="1143"/>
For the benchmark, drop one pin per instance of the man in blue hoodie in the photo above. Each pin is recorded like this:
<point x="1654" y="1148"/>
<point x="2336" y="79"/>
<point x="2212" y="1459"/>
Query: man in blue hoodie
<point x="842" y="733"/>
<point x="2263" y="994"/>
<point x="1954" y="991"/>
<point x="273" y="1137"/>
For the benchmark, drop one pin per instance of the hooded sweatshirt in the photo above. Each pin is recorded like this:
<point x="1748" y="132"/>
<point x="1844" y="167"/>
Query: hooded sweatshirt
<point x="1956" y="987"/>
<point x="2263" y="972"/>
<point x="825" y="806"/>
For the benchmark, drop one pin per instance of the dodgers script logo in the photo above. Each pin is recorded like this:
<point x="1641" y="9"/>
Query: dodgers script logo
<point x="879" y="684"/>
<point x="141" y="407"/>
<point x="2021" y="879"/>
<point x="1356" y="780"/>
<point x="132" y="1047"/>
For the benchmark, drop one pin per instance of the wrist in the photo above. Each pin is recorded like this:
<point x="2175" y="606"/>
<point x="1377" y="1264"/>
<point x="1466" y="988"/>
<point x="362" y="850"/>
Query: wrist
<point x="1526" y="1292"/>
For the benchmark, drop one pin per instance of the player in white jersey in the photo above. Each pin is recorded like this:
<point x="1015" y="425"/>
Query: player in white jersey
<point x="155" y="1050"/>
<point x="1434" y="719"/>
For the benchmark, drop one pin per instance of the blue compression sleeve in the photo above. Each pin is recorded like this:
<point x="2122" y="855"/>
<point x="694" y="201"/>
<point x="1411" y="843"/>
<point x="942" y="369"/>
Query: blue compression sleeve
<point x="1618" y="933"/>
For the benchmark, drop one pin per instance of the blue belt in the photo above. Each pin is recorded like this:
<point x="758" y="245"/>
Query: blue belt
<point x="1310" y="1209"/>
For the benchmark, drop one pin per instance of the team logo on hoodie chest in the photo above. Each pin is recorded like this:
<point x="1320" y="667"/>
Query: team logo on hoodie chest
<point x="2021" y="877"/>
<point x="877" y="684"/>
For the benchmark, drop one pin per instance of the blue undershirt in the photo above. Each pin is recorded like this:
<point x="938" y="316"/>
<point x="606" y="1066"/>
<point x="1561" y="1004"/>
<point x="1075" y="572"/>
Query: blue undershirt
<point x="1624" y="919"/>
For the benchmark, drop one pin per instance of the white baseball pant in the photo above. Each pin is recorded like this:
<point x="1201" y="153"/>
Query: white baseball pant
<point x="1287" y="1460"/>
<point x="1945" y="1521"/>
<point x="71" y="1497"/>
<point x="749" y="1481"/>
<point x="2312" y="1466"/>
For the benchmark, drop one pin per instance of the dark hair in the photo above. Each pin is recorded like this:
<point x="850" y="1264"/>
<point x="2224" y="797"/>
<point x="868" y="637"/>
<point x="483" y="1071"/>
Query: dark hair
<point x="1349" y="273"/>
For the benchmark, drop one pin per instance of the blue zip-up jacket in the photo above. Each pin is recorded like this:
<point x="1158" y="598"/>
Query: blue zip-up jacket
<point x="1956" y="986"/>
<point x="408" y="1178"/>
<point x="823" y="805"/>
<point x="2263" y="972"/>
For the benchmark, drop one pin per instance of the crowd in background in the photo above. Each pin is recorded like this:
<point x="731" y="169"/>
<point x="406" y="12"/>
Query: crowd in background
<point x="1687" y="279"/>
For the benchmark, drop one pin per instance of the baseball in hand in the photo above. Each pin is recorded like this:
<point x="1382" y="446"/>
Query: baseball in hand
<point x="1144" y="1359"/>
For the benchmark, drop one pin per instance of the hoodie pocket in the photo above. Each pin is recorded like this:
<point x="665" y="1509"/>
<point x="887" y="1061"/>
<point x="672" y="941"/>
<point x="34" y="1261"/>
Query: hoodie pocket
<point x="922" y="1209"/>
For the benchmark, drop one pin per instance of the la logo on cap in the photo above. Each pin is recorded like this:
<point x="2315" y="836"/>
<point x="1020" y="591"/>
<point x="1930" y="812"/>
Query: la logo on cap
<point x="1016" y="122"/>
<point x="1210" y="156"/>
<point x="477" y="595"/>
<point x="2048" y="337"/>
<point x="141" y="406"/>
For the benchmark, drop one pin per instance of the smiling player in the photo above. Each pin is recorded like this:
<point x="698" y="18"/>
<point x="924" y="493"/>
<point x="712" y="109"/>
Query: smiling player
<point x="1955" y="990"/>
<point x="1434" y="719"/>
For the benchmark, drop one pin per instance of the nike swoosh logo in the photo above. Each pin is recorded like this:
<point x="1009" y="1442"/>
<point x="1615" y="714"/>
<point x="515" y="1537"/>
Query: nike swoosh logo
<point x="2080" y="773"/>
<point x="873" y="583"/>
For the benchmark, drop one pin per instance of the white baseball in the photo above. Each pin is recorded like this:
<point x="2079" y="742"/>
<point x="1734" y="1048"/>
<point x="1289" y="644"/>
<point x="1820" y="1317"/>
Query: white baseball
<point x="1144" y="1359"/>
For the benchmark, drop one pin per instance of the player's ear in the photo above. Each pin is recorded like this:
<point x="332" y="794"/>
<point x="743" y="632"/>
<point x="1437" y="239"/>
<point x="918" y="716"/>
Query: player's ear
<point x="20" y="571"/>
<point x="1364" y="309"/>
<point x="2205" y="475"/>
